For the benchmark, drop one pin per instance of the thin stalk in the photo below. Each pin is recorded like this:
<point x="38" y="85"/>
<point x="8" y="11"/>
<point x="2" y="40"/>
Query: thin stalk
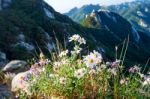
<point x="146" y="65"/>
<point x="126" y="48"/>
<point x="122" y="50"/>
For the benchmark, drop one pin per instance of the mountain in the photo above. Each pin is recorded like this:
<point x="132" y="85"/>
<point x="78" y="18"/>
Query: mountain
<point x="113" y="22"/>
<point x="119" y="29"/>
<point x="137" y="12"/>
<point x="27" y="26"/>
<point x="77" y="14"/>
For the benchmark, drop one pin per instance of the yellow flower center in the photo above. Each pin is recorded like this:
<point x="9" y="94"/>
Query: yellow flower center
<point x="91" y="61"/>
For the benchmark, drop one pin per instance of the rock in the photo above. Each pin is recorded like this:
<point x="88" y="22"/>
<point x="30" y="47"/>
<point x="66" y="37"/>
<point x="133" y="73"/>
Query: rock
<point x="19" y="83"/>
<point x="16" y="66"/>
<point x="22" y="44"/>
<point x="5" y="92"/>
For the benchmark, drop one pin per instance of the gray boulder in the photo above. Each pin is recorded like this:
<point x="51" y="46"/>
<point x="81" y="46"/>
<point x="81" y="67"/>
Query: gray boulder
<point x="16" y="66"/>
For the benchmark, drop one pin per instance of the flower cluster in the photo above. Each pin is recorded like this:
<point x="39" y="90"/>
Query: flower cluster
<point x="72" y="75"/>
<point x="63" y="53"/>
<point x="134" y="69"/>
<point x="78" y="39"/>
<point x="80" y="73"/>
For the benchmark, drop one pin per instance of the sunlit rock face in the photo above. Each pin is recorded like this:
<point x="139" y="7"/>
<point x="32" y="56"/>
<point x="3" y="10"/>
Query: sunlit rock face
<point x="4" y="3"/>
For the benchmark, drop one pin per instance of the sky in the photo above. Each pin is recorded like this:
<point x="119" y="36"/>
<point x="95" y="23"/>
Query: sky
<point x="63" y="6"/>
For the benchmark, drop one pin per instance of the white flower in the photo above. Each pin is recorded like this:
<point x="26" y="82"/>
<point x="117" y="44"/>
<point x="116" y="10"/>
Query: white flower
<point x="56" y="68"/>
<point x="78" y="39"/>
<point x="93" y="59"/>
<point x="63" y="53"/>
<point x="80" y="73"/>
<point x="113" y="71"/>
<point x="98" y="57"/>
<point x="77" y="50"/>
<point x="75" y="37"/>
<point x="82" y="41"/>
<point x="62" y="80"/>
<point x="90" y="61"/>
<point x="141" y="75"/>
<point x="122" y="81"/>
<point x="146" y="81"/>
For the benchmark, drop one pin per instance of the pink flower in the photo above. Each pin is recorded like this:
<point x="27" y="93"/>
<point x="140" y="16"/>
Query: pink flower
<point x="134" y="69"/>
<point x="115" y="64"/>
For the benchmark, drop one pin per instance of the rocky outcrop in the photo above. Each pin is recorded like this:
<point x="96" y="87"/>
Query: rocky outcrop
<point x="15" y="66"/>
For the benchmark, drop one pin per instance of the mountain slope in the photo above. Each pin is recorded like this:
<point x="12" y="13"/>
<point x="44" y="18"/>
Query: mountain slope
<point x="27" y="25"/>
<point x="119" y="29"/>
<point x="137" y="12"/>
<point x="77" y="14"/>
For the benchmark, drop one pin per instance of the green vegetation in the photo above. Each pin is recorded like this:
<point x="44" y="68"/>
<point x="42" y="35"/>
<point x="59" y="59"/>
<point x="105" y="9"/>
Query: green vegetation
<point x="69" y="75"/>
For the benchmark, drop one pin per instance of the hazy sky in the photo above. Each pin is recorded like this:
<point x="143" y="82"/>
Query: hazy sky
<point x="65" y="5"/>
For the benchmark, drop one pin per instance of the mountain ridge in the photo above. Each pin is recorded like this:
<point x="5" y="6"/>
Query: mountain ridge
<point x="27" y="25"/>
<point x="136" y="12"/>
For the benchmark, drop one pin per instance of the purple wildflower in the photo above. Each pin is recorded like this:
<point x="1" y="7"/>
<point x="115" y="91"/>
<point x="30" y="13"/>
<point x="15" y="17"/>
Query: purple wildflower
<point x="115" y="64"/>
<point x="134" y="69"/>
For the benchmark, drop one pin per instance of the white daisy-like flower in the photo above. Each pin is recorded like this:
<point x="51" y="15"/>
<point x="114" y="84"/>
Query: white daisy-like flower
<point x="93" y="59"/>
<point x="75" y="37"/>
<point x="62" y="80"/>
<point x="90" y="61"/>
<point x="98" y="57"/>
<point x="63" y="53"/>
<point x="80" y="73"/>
<point x="56" y="68"/>
<point x="78" y="39"/>
<point x="82" y="41"/>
